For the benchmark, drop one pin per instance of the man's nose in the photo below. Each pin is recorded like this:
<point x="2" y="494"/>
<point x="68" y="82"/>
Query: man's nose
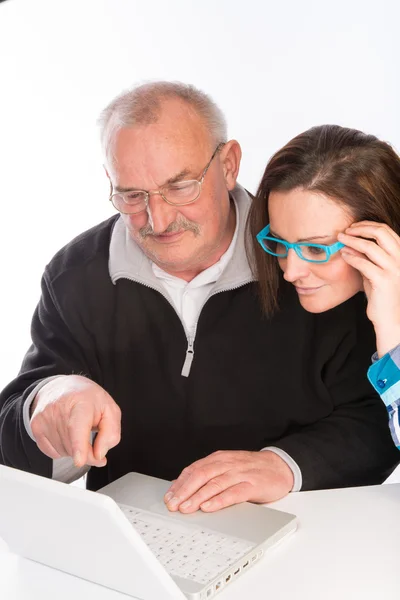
<point x="295" y="267"/>
<point x="162" y="214"/>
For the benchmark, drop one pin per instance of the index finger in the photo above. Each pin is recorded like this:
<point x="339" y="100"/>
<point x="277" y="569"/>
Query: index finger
<point x="217" y="456"/>
<point x="184" y="489"/>
<point x="79" y="428"/>
<point x="109" y="433"/>
<point x="375" y="237"/>
<point x="377" y="231"/>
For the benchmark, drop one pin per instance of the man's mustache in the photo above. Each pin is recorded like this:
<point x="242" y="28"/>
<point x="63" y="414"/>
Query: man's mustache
<point x="179" y="225"/>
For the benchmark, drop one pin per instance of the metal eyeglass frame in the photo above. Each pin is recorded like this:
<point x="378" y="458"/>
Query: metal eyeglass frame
<point x="263" y="235"/>
<point x="160" y="191"/>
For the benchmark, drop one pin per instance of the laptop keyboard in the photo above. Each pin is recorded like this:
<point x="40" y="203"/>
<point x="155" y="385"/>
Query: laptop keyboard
<point x="191" y="552"/>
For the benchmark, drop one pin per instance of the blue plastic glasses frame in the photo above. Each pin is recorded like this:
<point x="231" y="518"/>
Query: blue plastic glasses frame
<point x="263" y="235"/>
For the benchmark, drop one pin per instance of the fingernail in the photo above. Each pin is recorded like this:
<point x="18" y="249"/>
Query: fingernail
<point x="168" y="496"/>
<point x="77" y="458"/>
<point x="205" y="505"/>
<point x="174" y="501"/>
<point x="185" y="504"/>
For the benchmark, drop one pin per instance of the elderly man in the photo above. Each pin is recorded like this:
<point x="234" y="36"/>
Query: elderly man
<point x="149" y="333"/>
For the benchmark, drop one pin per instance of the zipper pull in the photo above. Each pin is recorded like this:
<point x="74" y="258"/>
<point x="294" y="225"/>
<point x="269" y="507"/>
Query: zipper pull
<point x="188" y="359"/>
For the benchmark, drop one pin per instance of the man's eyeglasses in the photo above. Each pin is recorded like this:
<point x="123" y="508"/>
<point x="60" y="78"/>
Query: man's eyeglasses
<point x="178" y="194"/>
<point x="316" y="253"/>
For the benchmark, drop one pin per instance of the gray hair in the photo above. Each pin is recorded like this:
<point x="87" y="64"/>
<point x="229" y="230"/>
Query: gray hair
<point x="141" y="105"/>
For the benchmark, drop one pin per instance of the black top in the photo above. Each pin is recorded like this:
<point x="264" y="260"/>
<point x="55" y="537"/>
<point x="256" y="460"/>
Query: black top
<point x="297" y="381"/>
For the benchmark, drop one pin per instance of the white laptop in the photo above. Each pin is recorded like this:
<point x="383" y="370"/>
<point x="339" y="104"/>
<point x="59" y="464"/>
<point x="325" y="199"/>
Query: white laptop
<point x="124" y="538"/>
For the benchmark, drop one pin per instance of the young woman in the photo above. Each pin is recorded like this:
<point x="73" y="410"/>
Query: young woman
<point x="326" y="218"/>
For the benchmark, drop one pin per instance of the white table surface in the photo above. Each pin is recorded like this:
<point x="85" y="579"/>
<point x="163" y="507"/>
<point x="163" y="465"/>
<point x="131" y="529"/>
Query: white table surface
<point x="347" y="547"/>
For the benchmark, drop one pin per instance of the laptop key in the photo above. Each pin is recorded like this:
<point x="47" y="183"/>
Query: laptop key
<point x="191" y="552"/>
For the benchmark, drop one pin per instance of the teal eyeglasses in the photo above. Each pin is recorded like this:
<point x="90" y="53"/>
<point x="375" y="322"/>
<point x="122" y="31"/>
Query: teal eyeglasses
<point x="315" y="253"/>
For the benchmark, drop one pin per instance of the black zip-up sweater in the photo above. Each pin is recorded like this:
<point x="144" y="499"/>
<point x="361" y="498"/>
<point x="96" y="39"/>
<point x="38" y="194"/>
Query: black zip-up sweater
<point x="297" y="381"/>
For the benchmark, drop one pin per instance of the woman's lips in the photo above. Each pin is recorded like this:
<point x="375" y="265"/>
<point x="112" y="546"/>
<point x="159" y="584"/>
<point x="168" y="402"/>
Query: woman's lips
<point x="307" y="290"/>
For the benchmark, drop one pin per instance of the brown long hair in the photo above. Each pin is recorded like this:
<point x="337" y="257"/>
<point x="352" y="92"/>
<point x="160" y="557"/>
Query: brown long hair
<point x="353" y="168"/>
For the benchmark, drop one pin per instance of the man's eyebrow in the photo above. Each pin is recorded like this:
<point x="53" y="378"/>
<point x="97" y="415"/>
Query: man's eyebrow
<point x="178" y="177"/>
<point x="308" y="239"/>
<point x="173" y="179"/>
<point x="119" y="188"/>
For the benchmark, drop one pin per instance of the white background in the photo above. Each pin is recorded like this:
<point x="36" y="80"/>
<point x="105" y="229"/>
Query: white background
<point x="274" y="68"/>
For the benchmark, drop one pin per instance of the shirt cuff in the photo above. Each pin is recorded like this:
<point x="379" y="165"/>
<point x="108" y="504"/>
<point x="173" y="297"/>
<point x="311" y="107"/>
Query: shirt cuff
<point x="27" y="404"/>
<point x="394" y="353"/>
<point x="297" y="477"/>
<point x="384" y="376"/>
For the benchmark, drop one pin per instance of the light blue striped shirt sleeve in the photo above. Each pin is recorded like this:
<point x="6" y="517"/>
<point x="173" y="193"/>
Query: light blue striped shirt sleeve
<point x="384" y="375"/>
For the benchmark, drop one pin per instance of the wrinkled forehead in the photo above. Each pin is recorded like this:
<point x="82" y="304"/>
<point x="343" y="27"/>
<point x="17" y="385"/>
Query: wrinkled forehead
<point x="157" y="151"/>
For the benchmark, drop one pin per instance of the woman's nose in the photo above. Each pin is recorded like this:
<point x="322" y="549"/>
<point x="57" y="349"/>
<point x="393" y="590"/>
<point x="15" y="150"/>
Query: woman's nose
<point x="294" y="268"/>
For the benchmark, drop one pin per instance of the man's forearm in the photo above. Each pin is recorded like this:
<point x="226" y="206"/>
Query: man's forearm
<point x="344" y="450"/>
<point x="17" y="448"/>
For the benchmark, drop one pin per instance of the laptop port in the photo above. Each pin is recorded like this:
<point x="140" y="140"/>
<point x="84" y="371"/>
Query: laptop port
<point x="228" y="578"/>
<point x="237" y="571"/>
<point x="246" y="564"/>
<point x="218" y="586"/>
<point x="209" y="592"/>
<point x="254" y="557"/>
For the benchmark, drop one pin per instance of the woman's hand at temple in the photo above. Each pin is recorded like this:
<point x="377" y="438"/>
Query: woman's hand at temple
<point x="374" y="250"/>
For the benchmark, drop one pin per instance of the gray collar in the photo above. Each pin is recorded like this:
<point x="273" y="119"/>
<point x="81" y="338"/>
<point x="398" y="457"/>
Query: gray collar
<point x="128" y="261"/>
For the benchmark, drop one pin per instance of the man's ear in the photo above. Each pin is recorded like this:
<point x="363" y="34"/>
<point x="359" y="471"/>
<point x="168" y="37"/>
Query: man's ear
<point x="231" y="155"/>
